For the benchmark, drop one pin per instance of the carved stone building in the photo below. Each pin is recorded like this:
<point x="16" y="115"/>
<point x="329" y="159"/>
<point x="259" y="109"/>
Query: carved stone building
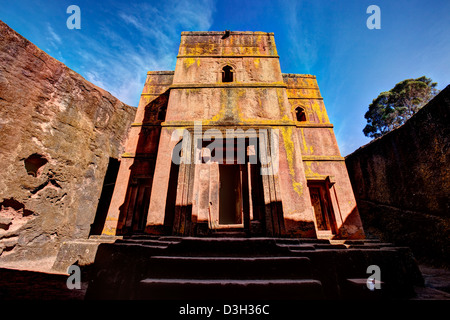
<point x="228" y="143"/>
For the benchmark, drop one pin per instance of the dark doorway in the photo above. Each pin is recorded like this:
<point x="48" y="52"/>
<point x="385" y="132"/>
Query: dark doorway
<point x="230" y="194"/>
<point x="323" y="209"/>
<point x="172" y="192"/>
<point x="257" y="194"/>
<point x="138" y="201"/>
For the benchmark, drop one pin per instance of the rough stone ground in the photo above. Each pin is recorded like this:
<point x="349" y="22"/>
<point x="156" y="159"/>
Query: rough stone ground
<point x="35" y="281"/>
<point x="32" y="285"/>
<point x="437" y="284"/>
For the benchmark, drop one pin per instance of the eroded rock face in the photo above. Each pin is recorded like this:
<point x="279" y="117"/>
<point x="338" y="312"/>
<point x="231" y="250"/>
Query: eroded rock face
<point x="57" y="132"/>
<point x="402" y="182"/>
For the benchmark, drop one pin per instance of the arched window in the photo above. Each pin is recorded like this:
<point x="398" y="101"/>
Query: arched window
<point x="300" y="114"/>
<point x="227" y="74"/>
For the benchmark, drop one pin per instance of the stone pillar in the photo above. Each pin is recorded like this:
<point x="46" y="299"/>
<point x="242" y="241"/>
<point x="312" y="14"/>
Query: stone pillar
<point x="151" y="103"/>
<point x="156" y="213"/>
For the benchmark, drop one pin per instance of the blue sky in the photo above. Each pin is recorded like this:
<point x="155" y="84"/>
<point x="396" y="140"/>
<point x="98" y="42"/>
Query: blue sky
<point x="120" y="41"/>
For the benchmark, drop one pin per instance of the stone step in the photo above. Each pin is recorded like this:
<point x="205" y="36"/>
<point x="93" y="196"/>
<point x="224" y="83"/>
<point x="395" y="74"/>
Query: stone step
<point x="142" y="236"/>
<point x="329" y="246"/>
<point x="143" y="245"/>
<point x="295" y="241"/>
<point x="119" y="268"/>
<point x="229" y="233"/>
<point x="361" y="241"/>
<point x="213" y="289"/>
<point x="298" y="246"/>
<point x="358" y="289"/>
<point x="171" y="238"/>
<point x="227" y="246"/>
<point x="378" y="245"/>
<point x="229" y="267"/>
<point x="148" y="242"/>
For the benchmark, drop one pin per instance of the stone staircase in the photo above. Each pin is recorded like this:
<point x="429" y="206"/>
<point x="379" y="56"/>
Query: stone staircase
<point x="224" y="268"/>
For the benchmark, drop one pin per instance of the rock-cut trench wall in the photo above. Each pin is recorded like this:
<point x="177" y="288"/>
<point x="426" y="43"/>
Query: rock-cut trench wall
<point x="57" y="135"/>
<point x="401" y="183"/>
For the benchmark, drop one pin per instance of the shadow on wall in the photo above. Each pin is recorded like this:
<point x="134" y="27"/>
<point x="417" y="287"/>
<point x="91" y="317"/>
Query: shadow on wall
<point x="133" y="212"/>
<point x="401" y="183"/>
<point x="351" y="227"/>
<point x="426" y="235"/>
<point x="271" y="224"/>
<point x="105" y="198"/>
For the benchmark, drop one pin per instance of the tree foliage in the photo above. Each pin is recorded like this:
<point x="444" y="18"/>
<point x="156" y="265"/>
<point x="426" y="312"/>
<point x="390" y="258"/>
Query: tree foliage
<point x="391" y="109"/>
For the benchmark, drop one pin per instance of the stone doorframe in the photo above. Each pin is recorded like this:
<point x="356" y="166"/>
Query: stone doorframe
<point x="197" y="200"/>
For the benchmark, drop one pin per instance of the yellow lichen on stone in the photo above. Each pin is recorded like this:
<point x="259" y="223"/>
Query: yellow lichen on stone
<point x="305" y="147"/>
<point x="287" y="133"/>
<point x="258" y="40"/>
<point x="281" y="101"/>
<point x="298" y="187"/>
<point x="188" y="62"/>
<point x="274" y="48"/>
<point x="219" y="115"/>
<point x="308" y="171"/>
<point x="319" y="111"/>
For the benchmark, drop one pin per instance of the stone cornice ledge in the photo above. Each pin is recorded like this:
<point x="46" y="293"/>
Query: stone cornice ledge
<point x="227" y="85"/>
<point x="322" y="158"/>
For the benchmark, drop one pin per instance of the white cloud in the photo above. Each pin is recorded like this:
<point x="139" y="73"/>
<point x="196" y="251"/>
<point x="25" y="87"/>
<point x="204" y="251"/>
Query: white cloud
<point x="147" y="40"/>
<point x="53" y="36"/>
<point x="303" y="41"/>
<point x="134" y="22"/>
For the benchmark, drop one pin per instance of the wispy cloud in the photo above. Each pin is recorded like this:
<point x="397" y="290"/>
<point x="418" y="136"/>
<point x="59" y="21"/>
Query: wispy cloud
<point x="53" y="36"/>
<point x="147" y="39"/>
<point x="54" y="42"/>
<point x="303" y="41"/>
<point x="133" y="21"/>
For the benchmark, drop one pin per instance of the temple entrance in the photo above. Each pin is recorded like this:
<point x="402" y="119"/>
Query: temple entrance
<point x="227" y="196"/>
<point x="240" y="196"/>
<point x="323" y="209"/>
<point x="136" y="205"/>
<point x="230" y="195"/>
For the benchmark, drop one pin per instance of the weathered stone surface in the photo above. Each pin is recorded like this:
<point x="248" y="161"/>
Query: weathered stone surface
<point x="79" y="252"/>
<point x="57" y="132"/>
<point x="231" y="85"/>
<point x="402" y="182"/>
<point x="182" y="268"/>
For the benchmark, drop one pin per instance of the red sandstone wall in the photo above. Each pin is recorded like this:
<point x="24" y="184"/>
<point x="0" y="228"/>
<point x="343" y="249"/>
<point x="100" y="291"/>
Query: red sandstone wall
<point x="320" y="152"/>
<point x="49" y="110"/>
<point x="259" y="97"/>
<point x="141" y="148"/>
<point x="402" y="182"/>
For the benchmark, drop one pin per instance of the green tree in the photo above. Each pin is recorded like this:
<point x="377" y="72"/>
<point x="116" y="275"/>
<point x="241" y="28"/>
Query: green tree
<point x="391" y="109"/>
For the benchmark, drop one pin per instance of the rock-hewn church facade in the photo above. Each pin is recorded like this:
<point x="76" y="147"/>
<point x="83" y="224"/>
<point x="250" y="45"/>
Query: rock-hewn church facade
<point x="227" y="143"/>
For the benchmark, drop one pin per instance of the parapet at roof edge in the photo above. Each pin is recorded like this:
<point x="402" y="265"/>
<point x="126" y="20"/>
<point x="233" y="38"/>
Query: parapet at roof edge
<point x="297" y="75"/>
<point x="221" y="33"/>
<point x="167" y="72"/>
<point x="287" y="75"/>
